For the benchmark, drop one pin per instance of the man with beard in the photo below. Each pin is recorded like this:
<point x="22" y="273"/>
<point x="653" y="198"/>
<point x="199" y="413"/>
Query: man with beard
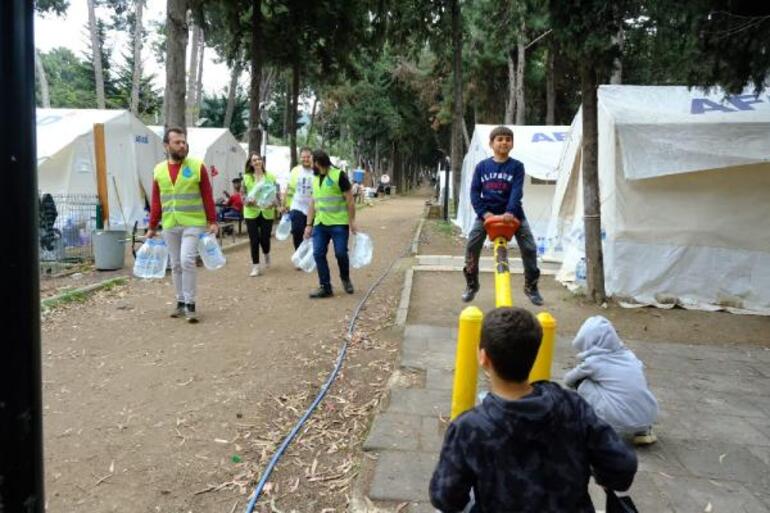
<point x="331" y="216"/>
<point x="183" y="202"/>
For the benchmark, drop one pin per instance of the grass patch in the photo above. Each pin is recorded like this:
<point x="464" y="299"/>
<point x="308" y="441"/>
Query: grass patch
<point x="446" y="228"/>
<point x="80" y="295"/>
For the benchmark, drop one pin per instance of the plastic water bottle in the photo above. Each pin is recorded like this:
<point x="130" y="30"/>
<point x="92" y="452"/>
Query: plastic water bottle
<point x="580" y="272"/>
<point x="284" y="228"/>
<point x="363" y="250"/>
<point x="210" y="252"/>
<point x="159" y="261"/>
<point x="540" y="246"/>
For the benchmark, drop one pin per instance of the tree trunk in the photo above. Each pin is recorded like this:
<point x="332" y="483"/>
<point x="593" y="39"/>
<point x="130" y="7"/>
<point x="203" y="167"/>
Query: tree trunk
<point x="266" y="84"/>
<point x="466" y="137"/>
<point x="43" y="81"/>
<point x="510" y="105"/>
<point x="617" y="72"/>
<point x="234" y="76"/>
<point x="521" y="66"/>
<point x="295" y="71"/>
<point x="457" y="85"/>
<point x="591" y="204"/>
<point x="96" y="51"/>
<point x="312" y="120"/>
<point x="199" y="82"/>
<point x="136" y="79"/>
<point x="176" y="53"/>
<point x="550" y="87"/>
<point x="287" y="108"/>
<point x="255" y="118"/>
<point x="192" y="76"/>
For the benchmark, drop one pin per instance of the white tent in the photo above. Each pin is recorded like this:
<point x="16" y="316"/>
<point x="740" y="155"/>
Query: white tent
<point x="538" y="148"/>
<point x="220" y="151"/>
<point x="684" y="181"/>
<point x="66" y="158"/>
<point x="278" y="161"/>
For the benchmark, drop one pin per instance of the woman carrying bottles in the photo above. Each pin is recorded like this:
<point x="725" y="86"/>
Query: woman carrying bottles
<point x="262" y="197"/>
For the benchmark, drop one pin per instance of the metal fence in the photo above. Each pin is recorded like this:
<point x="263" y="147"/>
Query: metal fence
<point x="66" y="223"/>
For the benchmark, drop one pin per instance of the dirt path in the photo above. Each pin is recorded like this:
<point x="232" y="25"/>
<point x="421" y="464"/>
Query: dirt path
<point x="147" y="413"/>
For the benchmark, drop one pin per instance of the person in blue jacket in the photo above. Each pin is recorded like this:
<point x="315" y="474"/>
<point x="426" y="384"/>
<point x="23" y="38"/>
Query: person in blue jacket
<point x="497" y="189"/>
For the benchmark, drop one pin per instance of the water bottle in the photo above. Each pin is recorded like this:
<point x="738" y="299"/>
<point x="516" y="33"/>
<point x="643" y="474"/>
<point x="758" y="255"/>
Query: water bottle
<point x="540" y="246"/>
<point x="142" y="262"/>
<point x="580" y="272"/>
<point x="159" y="258"/>
<point x="363" y="249"/>
<point x="210" y="252"/>
<point x="284" y="228"/>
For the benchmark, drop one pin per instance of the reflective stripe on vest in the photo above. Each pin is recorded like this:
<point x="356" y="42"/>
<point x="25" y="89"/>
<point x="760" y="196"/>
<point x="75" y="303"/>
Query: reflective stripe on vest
<point x="181" y="201"/>
<point x="330" y="205"/>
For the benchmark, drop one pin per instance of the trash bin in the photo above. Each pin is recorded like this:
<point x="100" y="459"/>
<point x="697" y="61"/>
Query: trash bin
<point x="109" y="249"/>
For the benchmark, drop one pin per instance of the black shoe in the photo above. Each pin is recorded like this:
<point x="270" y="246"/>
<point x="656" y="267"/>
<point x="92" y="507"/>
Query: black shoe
<point x="471" y="287"/>
<point x="530" y="290"/>
<point x="179" y="310"/>
<point x="348" y="286"/>
<point x="189" y="313"/>
<point x="321" y="292"/>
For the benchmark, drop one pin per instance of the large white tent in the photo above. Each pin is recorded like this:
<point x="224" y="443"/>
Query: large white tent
<point x="684" y="181"/>
<point x="220" y="152"/>
<point x="67" y="162"/>
<point x="538" y="148"/>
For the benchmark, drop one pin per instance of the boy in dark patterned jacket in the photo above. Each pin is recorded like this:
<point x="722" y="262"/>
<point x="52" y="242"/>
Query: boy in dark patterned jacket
<point x="527" y="447"/>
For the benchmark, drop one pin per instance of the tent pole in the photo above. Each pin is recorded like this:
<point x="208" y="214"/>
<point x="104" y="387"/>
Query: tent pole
<point x="101" y="172"/>
<point x="21" y="414"/>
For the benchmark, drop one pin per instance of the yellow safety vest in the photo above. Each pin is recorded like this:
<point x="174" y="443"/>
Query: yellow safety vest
<point x="181" y="201"/>
<point x="292" y="187"/>
<point x="253" y="211"/>
<point x="329" y="202"/>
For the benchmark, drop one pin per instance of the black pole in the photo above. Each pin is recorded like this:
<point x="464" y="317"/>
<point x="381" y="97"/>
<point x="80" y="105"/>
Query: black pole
<point x="21" y="415"/>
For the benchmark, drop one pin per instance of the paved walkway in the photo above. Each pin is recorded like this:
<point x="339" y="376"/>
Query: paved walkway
<point x="713" y="453"/>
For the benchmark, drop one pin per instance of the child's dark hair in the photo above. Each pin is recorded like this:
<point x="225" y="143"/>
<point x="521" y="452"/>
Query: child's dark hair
<point x="500" y="130"/>
<point x="322" y="158"/>
<point x="511" y="338"/>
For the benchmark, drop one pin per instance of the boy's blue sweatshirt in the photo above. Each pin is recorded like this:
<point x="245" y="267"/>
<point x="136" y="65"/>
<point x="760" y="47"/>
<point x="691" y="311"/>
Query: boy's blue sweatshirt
<point x="498" y="187"/>
<point x="533" y="455"/>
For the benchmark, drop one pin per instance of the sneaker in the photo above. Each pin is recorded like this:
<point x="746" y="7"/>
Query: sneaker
<point x="646" y="437"/>
<point x="255" y="271"/>
<point x="189" y="313"/>
<point x="321" y="292"/>
<point x="348" y="286"/>
<point x="530" y="290"/>
<point x="267" y="260"/>
<point x="179" y="311"/>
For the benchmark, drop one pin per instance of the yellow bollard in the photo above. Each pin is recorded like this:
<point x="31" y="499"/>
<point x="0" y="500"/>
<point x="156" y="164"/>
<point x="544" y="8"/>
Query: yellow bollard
<point x="502" y="274"/>
<point x="466" y="361"/>
<point x="541" y="370"/>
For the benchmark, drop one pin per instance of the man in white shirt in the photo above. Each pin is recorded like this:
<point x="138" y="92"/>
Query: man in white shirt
<point x="299" y="194"/>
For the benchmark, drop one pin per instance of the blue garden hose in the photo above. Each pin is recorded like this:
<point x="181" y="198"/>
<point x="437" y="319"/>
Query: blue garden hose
<point x="325" y="388"/>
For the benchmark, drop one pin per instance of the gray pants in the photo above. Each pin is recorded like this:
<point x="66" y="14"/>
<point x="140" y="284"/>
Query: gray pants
<point x="524" y="238"/>
<point x="183" y="250"/>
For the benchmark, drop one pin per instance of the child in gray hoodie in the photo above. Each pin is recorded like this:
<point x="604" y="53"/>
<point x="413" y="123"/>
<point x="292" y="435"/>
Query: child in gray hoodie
<point x="611" y="379"/>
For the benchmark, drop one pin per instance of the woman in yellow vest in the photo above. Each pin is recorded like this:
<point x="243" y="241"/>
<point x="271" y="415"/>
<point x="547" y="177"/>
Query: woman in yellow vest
<point x="259" y="217"/>
<point x="331" y="217"/>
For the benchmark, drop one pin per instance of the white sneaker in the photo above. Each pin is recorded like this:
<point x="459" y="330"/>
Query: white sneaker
<point x="255" y="271"/>
<point x="267" y="260"/>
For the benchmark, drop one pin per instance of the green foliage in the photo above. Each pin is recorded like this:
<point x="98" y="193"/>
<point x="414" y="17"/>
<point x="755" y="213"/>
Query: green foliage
<point x="213" y="111"/>
<point x="70" y="80"/>
<point x="150" y="99"/>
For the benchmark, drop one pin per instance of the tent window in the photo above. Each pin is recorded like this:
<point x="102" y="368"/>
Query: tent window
<point x="537" y="181"/>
